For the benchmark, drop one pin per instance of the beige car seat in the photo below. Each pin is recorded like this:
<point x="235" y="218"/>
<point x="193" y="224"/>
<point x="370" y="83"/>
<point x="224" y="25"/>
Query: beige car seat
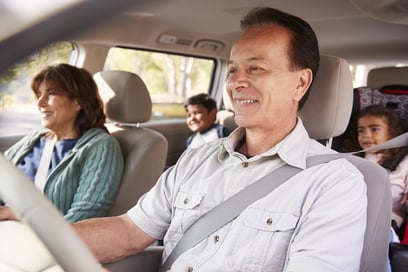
<point x="382" y="76"/>
<point x="127" y="103"/>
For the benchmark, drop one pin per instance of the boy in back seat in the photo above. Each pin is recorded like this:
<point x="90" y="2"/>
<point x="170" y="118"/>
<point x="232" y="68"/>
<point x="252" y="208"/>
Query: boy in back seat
<point x="201" y="115"/>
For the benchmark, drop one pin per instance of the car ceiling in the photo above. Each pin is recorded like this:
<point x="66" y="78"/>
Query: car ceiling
<point x="343" y="27"/>
<point x="362" y="31"/>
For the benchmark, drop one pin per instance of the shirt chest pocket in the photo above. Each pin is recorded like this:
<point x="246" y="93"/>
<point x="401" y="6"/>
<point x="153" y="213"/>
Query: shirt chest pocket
<point x="265" y="220"/>
<point x="264" y="239"/>
<point x="187" y="200"/>
<point x="187" y="209"/>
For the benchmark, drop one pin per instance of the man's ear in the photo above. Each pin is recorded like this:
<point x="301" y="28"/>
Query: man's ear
<point x="304" y="81"/>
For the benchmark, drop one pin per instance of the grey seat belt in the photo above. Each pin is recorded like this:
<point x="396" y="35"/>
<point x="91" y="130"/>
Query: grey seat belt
<point x="233" y="206"/>
<point x="40" y="178"/>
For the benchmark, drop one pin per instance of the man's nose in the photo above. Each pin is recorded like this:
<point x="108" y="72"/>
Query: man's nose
<point x="239" y="81"/>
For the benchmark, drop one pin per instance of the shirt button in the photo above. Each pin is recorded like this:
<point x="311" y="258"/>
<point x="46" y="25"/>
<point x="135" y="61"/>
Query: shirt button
<point x="216" y="238"/>
<point x="244" y="164"/>
<point x="189" y="269"/>
<point x="185" y="200"/>
<point x="269" y="221"/>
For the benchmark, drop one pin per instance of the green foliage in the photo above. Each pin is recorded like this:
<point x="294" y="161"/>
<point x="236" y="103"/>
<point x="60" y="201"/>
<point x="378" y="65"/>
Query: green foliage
<point x="15" y="82"/>
<point x="165" y="110"/>
<point x="169" y="77"/>
<point x="54" y="53"/>
<point x="8" y="75"/>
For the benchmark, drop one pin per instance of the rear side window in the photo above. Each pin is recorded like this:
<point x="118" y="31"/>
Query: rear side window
<point x="18" y="110"/>
<point x="170" y="78"/>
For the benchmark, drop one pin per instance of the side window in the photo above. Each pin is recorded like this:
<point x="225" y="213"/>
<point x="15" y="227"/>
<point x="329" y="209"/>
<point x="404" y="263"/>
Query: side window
<point x="18" y="110"/>
<point x="169" y="78"/>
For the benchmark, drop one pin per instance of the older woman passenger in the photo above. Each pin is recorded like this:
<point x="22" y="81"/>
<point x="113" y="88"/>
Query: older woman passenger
<point x="74" y="161"/>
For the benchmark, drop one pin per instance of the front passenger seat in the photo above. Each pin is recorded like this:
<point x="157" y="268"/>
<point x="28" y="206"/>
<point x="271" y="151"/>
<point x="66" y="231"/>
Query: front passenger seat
<point x="127" y="103"/>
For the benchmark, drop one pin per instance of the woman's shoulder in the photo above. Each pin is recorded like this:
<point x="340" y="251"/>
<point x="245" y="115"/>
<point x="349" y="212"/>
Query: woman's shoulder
<point x="30" y="138"/>
<point x="97" y="136"/>
<point x="98" y="133"/>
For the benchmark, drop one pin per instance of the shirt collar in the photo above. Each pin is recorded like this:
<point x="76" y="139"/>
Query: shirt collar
<point x="292" y="149"/>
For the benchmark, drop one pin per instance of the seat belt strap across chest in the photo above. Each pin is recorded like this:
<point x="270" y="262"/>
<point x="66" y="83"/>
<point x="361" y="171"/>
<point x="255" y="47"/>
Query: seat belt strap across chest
<point x="233" y="206"/>
<point x="40" y="178"/>
<point x="229" y="210"/>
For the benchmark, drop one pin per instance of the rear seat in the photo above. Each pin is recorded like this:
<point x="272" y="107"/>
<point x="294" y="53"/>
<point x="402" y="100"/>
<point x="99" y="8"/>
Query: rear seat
<point x="387" y="86"/>
<point x="390" y="84"/>
<point x="383" y="76"/>
<point x="226" y="116"/>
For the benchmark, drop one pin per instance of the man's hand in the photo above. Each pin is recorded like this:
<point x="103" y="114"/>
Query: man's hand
<point x="6" y="213"/>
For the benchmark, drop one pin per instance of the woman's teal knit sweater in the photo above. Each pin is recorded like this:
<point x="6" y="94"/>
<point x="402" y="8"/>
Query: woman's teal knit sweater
<point x="84" y="184"/>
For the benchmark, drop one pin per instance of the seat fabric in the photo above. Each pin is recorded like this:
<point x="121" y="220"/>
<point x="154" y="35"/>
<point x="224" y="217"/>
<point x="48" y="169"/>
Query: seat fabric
<point x="127" y="103"/>
<point x="383" y="76"/>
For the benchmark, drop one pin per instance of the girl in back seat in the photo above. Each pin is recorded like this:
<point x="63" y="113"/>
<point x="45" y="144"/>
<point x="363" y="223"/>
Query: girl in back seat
<point x="377" y="124"/>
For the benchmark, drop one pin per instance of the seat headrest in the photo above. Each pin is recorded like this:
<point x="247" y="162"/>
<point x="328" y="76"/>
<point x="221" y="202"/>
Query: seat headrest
<point x="226" y="100"/>
<point x="327" y="110"/>
<point x="383" y="76"/>
<point x="125" y="96"/>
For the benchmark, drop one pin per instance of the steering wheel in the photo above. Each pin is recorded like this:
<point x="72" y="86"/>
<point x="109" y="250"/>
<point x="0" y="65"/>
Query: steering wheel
<point x="45" y="220"/>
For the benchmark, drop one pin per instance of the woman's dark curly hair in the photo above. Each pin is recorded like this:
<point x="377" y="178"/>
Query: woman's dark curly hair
<point x="76" y="83"/>
<point x="391" y="157"/>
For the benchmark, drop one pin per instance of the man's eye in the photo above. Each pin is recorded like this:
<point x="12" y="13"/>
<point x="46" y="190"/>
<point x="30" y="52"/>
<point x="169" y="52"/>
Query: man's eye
<point x="231" y="70"/>
<point x="254" y="68"/>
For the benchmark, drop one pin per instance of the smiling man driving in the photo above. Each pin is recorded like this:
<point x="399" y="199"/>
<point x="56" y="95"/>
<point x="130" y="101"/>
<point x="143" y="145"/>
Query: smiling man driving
<point x="315" y="221"/>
